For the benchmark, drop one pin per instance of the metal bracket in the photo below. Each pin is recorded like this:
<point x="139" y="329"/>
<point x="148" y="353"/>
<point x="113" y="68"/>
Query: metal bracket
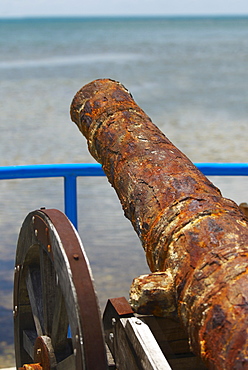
<point x="130" y="340"/>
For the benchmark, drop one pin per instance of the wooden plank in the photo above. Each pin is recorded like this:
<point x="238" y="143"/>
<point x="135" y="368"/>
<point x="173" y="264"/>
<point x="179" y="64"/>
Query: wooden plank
<point x="173" y="341"/>
<point x="121" y="348"/>
<point x="110" y="359"/>
<point x="122" y="340"/>
<point x="145" y="346"/>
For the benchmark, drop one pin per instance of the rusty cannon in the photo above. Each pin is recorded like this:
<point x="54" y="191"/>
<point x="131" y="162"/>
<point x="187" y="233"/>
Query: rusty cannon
<point x="196" y="241"/>
<point x="196" y="246"/>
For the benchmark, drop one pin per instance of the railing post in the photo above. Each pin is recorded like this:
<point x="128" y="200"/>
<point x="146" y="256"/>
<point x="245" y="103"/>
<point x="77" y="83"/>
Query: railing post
<point x="70" y="198"/>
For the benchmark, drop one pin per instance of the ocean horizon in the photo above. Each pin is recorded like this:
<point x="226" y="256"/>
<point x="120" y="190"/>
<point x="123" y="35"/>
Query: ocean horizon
<point x="141" y="16"/>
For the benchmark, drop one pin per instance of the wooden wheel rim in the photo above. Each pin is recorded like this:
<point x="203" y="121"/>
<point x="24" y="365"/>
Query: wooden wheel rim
<point x="51" y="263"/>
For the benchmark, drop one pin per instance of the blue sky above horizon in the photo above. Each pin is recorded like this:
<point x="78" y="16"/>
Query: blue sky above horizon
<point x="40" y="8"/>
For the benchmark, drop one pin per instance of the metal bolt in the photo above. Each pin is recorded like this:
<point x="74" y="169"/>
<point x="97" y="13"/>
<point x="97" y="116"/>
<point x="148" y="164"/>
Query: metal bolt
<point x="33" y="219"/>
<point x="38" y="351"/>
<point x="113" y="321"/>
<point x="138" y="322"/>
<point x="111" y="337"/>
<point x="36" y="232"/>
<point x="15" y="311"/>
<point x="76" y="257"/>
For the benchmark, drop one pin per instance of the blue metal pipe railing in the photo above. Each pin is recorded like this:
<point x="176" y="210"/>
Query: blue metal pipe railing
<point x="70" y="172"/>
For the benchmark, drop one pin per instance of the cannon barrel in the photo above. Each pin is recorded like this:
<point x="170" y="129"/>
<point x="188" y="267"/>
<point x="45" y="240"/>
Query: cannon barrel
<point x="192" y="236"/>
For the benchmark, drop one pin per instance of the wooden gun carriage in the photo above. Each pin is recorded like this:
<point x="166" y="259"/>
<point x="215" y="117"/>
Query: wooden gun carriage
<point x="57" y="318"/>
<point x="196" y="245"/>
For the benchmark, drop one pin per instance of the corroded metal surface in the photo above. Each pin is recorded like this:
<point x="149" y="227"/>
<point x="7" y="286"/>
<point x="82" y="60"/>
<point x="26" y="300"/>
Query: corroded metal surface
<point x="44" y="353"/>
<point x="244" y="208"/>
<point x="31" y="367"/>
<point x="153" y="294"/>
<point x="188" y="230"/>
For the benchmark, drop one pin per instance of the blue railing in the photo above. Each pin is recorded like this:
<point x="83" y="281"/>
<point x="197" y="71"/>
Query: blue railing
<point x="70" y="172"/>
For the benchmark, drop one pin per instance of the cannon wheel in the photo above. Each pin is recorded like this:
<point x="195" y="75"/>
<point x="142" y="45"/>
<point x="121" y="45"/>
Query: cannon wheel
<point x="56" y="314"/>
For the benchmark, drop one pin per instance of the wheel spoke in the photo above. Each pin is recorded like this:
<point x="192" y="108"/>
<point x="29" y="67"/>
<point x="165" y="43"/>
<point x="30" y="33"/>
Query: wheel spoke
<point x="33" y="282"/>
<point x="48" y="281"/>
<point x="28" y="342"/>
<point x="60" y="323"/>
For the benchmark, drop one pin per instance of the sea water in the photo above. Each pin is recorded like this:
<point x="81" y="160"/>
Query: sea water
<point x="189" y="75"/>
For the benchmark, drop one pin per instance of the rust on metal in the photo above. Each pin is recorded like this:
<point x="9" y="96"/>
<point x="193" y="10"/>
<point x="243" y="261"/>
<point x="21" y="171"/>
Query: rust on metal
<point x="244" y="208"/>
<point x="44" y="353"/>
<point x="188" y="230"/>
<point x="92" y="335"/>
<point x="152" y="293"/>
<point x="115" y="309"/>
<point x="42" y="233"/>
<point x="121" y="306"/>
<point x="31" y="367"/>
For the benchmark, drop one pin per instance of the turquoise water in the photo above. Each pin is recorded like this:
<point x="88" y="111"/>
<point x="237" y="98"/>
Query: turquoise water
<point x="189" y="75"/>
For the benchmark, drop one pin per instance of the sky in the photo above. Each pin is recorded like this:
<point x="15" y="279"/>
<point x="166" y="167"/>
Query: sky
<point x="29" y="8"/>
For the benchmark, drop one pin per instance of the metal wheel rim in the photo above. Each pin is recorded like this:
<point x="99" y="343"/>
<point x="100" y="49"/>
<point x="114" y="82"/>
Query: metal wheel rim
<point x="51" y="266"/>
